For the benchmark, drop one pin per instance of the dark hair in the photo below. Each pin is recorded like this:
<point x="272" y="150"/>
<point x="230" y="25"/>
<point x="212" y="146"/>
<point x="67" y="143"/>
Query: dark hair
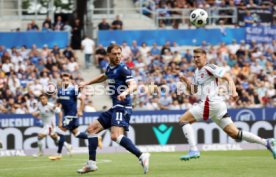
<point x="66" y="75"/>
<point x="113" y="46"/>
<point x="42" y="95"/>
<point x="200" y="50"/>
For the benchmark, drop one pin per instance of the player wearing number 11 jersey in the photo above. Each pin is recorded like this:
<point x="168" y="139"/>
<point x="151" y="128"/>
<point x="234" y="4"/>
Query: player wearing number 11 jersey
<point x="121" y="84"/>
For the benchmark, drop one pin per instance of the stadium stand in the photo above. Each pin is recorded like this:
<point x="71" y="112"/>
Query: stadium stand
<point x="24" y="71"/>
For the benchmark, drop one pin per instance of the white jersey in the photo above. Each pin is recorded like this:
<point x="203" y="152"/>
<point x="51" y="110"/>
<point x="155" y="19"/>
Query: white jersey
<point x="211" y="105"/>
<point x="46" y="113"/>
<point x="206" y="80"/>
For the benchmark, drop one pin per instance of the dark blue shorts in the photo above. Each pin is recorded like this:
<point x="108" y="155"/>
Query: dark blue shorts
<point x="70" y="124"/>
<point x="118" y="117"/>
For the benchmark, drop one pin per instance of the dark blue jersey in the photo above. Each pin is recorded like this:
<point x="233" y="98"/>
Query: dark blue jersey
<point x="117" y="78"/>
<point x="68" y="97"/>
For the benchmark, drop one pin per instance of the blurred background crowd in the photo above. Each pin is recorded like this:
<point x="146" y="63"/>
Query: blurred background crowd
<point x="25" y="73"/>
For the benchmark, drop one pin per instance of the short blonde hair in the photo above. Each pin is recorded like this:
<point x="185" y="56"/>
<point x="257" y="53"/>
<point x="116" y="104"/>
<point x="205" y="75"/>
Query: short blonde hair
<point x="200" y="50"/>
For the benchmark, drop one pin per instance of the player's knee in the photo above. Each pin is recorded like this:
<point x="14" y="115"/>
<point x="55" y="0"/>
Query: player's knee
<point x="233" y="134"/>
<point x="92" y="129"/>
<point x="114" y="137"/>
<point x="40" y="136"/>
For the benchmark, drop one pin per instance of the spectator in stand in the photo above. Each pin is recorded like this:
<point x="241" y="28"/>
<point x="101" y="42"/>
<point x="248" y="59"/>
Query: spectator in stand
<point x="59" y="24"/>
<point x="46" y="27"/>
<point x="68" y="52"/>
<point x="117" y="24"/>
<point x="89" y="107"/>
<point x="104" y="25"/>
<point x="248" y="19"/>
<point x="32" y="26"/>
<point x="88" y="47"/>
<point x="47" y="21"/>
<point x="135" y="50"/>
<point x="126" y="51"/>
<point x="76" y="35"/>
<point x="101" y="58"/>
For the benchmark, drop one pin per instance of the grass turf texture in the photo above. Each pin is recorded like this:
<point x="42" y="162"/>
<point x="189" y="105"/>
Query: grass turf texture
<point x="211" y="164"/>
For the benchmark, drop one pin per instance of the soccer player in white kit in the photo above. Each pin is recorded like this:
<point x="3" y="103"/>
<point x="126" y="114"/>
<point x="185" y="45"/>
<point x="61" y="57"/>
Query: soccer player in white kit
<point x="46" y="112"/>
<point x="211" y="105"/>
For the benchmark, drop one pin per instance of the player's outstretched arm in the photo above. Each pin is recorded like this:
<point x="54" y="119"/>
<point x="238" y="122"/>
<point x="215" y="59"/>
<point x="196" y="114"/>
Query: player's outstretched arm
<point x="81" y="107"/>
<point x="98" y="79"/>
<point x="60" y="115"/>
<point x="190" y="87"/>
<point x="35" y="114"/>
<point x="132" y="87"/>
<point x="232" y="86"/>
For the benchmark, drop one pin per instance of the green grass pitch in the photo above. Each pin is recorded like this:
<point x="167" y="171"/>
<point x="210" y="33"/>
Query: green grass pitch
<point x="211" y="164"/>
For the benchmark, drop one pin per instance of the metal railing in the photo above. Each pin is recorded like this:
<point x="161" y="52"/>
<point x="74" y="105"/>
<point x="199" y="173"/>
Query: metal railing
<point x="213" y="15"/>
<point x="183" y="14"/>
<point x="95" y="14"/>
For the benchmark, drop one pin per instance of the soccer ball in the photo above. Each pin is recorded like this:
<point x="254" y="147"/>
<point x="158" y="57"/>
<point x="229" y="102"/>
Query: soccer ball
<point x="198" y="17"/>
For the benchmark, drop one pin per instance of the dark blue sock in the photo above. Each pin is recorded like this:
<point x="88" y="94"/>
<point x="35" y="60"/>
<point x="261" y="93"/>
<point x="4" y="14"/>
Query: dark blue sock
<point x="82" y="135"/>
<point x="92" y="147"/>
<point x="60" y="143"/>
<point x="128" y="144"/>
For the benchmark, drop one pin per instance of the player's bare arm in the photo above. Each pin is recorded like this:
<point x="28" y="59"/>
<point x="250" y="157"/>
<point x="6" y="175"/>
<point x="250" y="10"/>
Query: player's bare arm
<point x="35" y="114"/>
<point x="81" y="107"/>
<point x="98" y="79"/>
<point x="60" y="116"/>
<point x="132" y="87"/>
<point x="192" y="89"/>
<point x="232" y="85"/>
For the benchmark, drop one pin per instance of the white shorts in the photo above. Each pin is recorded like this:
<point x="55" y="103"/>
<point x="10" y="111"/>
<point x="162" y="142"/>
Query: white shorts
<point x="48" y="129"/>
<point x="211" y="109"/>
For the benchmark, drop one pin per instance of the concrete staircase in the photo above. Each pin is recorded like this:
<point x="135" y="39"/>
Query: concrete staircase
<point x="99" y="100"/>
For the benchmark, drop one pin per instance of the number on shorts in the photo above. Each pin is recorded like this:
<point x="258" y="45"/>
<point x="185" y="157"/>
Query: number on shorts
<point x="119" y="116"/>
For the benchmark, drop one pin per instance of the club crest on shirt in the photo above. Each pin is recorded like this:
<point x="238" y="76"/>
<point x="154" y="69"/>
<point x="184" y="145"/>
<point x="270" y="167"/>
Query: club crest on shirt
<point x="202" y="75"/>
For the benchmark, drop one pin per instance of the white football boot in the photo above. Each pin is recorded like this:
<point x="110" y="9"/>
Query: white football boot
<point x="144" y="160"/>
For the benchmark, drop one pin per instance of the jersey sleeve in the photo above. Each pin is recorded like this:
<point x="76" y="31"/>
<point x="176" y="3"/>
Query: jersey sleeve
<point x="126" y="73"/>
<point x="214" y="70"/>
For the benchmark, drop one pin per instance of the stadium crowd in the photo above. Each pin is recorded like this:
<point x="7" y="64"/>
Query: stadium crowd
<point x="25" y="73"/>
<point x="253" y="67"/>
<point x="170" y="14"/>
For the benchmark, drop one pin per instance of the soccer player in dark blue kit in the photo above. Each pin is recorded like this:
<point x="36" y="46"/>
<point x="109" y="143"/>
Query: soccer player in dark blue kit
<point x="121" y="85"/>
<point x="68" y="97"/>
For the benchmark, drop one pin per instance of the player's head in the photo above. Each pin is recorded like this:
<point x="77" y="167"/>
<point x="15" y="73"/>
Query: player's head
<point x="199" y="57"/>
<point x="66" y="79"/>
<point x="43" y="98"/>
<point x="114" y="53"/>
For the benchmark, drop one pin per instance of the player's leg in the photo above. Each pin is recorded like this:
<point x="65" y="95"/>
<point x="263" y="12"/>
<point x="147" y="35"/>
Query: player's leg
<point x="185" y="121"/>
<point x="117" y="135"/>
<point x="120" y="122"/>
<point x="78" y="134"/>
<point x="39" y="144"/>
<point x="237" y="134"/>
<point x="222" y="118"/>
<point x="94" y="128"/>
<point x="60" y="144"/>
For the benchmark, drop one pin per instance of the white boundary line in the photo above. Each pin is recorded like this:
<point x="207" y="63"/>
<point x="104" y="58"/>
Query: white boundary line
<point x="46" y="166"/>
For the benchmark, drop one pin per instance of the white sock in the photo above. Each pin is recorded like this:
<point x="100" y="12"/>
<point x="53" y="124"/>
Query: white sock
<point x="66" y="144"/>
<point x="57" y="140"/>
<point x="251" y="138"/>
<point x="39" y="144"/>
<point x="189" y="134"/>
